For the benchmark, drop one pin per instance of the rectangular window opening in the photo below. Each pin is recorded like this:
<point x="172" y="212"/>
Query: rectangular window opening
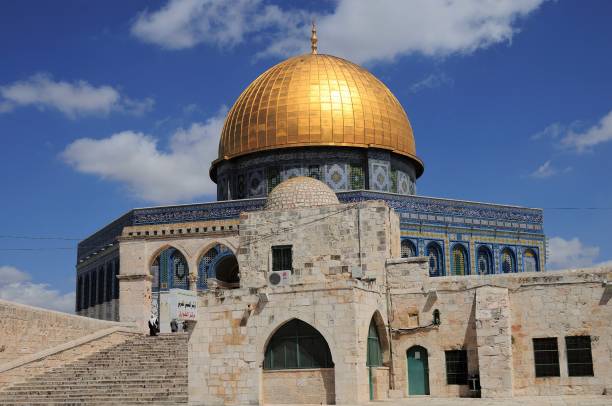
<point x="456" y="367"/>
<point x="546" y="357"/>
<point x="579" y="357"/>
<point x="282" y="258"/>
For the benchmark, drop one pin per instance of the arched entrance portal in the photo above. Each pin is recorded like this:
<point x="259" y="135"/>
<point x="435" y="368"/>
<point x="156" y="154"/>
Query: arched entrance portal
<point x="298" y="366"/>
<point x="418" y="371"/>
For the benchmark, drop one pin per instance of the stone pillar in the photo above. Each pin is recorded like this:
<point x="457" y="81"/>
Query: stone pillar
<point x="494" y="340"/>
<point x="193" y="282"/>
<point x="135" y="299"/>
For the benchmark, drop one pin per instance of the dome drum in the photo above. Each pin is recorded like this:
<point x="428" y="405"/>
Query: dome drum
<point x="340" y="168"/>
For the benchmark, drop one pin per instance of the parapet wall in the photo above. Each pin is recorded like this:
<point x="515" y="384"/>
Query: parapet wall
<point x="27" y="330"/>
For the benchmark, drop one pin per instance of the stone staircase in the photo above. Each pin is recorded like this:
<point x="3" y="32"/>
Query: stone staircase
<point x="151" y="370"/>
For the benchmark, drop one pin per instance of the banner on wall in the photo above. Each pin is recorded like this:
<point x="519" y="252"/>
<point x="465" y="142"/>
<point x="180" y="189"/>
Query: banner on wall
<point x="183" y="304"/>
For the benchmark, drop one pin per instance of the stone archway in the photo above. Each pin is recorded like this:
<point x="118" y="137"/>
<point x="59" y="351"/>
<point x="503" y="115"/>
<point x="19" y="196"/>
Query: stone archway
<point x="298" y="366"/>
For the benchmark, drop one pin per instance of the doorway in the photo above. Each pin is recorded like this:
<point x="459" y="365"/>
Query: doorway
<point x="418" y="371"/>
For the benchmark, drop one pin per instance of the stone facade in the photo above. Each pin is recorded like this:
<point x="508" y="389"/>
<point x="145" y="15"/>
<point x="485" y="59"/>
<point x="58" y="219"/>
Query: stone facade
<point x="345" y="274"/>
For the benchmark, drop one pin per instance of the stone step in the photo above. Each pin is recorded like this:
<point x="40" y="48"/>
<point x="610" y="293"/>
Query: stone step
<point x="101" y="384"/>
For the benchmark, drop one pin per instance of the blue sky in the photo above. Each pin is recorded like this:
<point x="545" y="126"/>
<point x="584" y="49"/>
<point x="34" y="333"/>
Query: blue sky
<point x="109" y="106"/>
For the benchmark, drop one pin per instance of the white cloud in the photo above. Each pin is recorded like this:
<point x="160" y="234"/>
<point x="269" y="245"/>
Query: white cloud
<point x="16" y="286"/>
<point x="359" y="30"/>
<point x="432" y="81"/>
<point x="564" y="254"/>
<point x="546" y="170"/>
<point x="150" y="173"/>
<point x="72" y="99"/>
<point x="553" y="131"/>
<point x="186" y="23"/>
<point x="585" y="140"/>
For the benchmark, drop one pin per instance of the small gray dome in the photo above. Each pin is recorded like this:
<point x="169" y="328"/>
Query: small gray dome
<point x="300" y="192"/>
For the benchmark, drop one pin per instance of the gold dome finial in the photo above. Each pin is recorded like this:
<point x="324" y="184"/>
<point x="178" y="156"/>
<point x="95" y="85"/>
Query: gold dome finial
<point x="313" y="39"/>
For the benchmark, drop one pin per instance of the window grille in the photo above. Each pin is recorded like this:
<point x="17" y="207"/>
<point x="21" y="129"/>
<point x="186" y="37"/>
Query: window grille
<point x="456" y="367"/>
<point x="434" y="253"/>
<point x="546" y="357"/>
<point x="508" y="264"/>
<point x="180" y="271"/>
<point x="407" y="249"/>
<point x="374" y="350"/>
<point x="203" y="267"/>
<point x="314" y="171"/>
<point x="579" y="357"/>
<point x="357" y="177"/>
<point x="274" y="178"/>
<point x="459" y="260"/>
<point x="297" y="345"/>
<point x="530" y="261"/>
<point x="485" y="261"/>
<point x="393" y="180"/>
<point x="282" y="258"/>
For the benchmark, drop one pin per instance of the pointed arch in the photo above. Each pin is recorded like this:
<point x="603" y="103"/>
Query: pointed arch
<point x="459" y="260"/>
<point x="218" y="262"/>
<point x="297" y="345"/>
<point x="507" y="261"/>
<point x="530" y="261"/>
<point x="436" y="259"/>
<point x="377" y="341"/>
<point x="169" y="269"/>
<point x="484" y="261"/>
<point x="408" y="249"/>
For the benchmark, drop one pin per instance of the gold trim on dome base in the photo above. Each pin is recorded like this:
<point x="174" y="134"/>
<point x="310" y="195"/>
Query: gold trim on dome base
<point x="316" y="100"/>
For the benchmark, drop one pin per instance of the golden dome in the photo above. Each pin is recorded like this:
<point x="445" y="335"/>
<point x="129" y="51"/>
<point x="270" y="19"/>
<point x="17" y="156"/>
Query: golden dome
<point x="316" y="100"/>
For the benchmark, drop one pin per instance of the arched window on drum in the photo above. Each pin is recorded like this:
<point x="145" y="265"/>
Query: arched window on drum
<point x="434" y="254"/>
<point x="508" y="261"/>
<point x="460" y="260"/>
<point x="484" y="262"/>
<point x="530" y="261"/>
<point x="408" y="250"/>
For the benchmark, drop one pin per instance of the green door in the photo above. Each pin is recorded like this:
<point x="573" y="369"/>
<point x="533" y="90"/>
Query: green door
<point x="418" y="371"/>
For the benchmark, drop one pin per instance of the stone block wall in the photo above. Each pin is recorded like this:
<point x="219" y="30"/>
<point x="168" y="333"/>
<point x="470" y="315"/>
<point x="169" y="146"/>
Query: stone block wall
<point x="328" y="242"/>
<point x="493" y="328"/>
<point x="27" y="330"/>
<point x="495" y="318"/>
<point x="309" y="386"/>
<point x="228" y="343"/>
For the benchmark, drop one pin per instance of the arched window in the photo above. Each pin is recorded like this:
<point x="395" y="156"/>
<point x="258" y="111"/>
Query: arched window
<point x="434" y="253"/>
<point x="530" y="261"/>
<point x="484" y="261"/>
<point x="408" y="249"/>
<point x="297" y="345"/>
<point x="374" y="352"/>
<point x="508" y="262"/>
<point x="219" y="263"/>
<point x="170" y="270"/>
<point x="460" y="260"/>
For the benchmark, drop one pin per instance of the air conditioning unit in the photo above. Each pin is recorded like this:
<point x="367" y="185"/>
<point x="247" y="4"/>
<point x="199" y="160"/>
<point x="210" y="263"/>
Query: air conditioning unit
<point x="279" y="278"/>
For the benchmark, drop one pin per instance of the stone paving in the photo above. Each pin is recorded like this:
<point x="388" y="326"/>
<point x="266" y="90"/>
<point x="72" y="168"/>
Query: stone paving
<point x="522" y="401"/>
